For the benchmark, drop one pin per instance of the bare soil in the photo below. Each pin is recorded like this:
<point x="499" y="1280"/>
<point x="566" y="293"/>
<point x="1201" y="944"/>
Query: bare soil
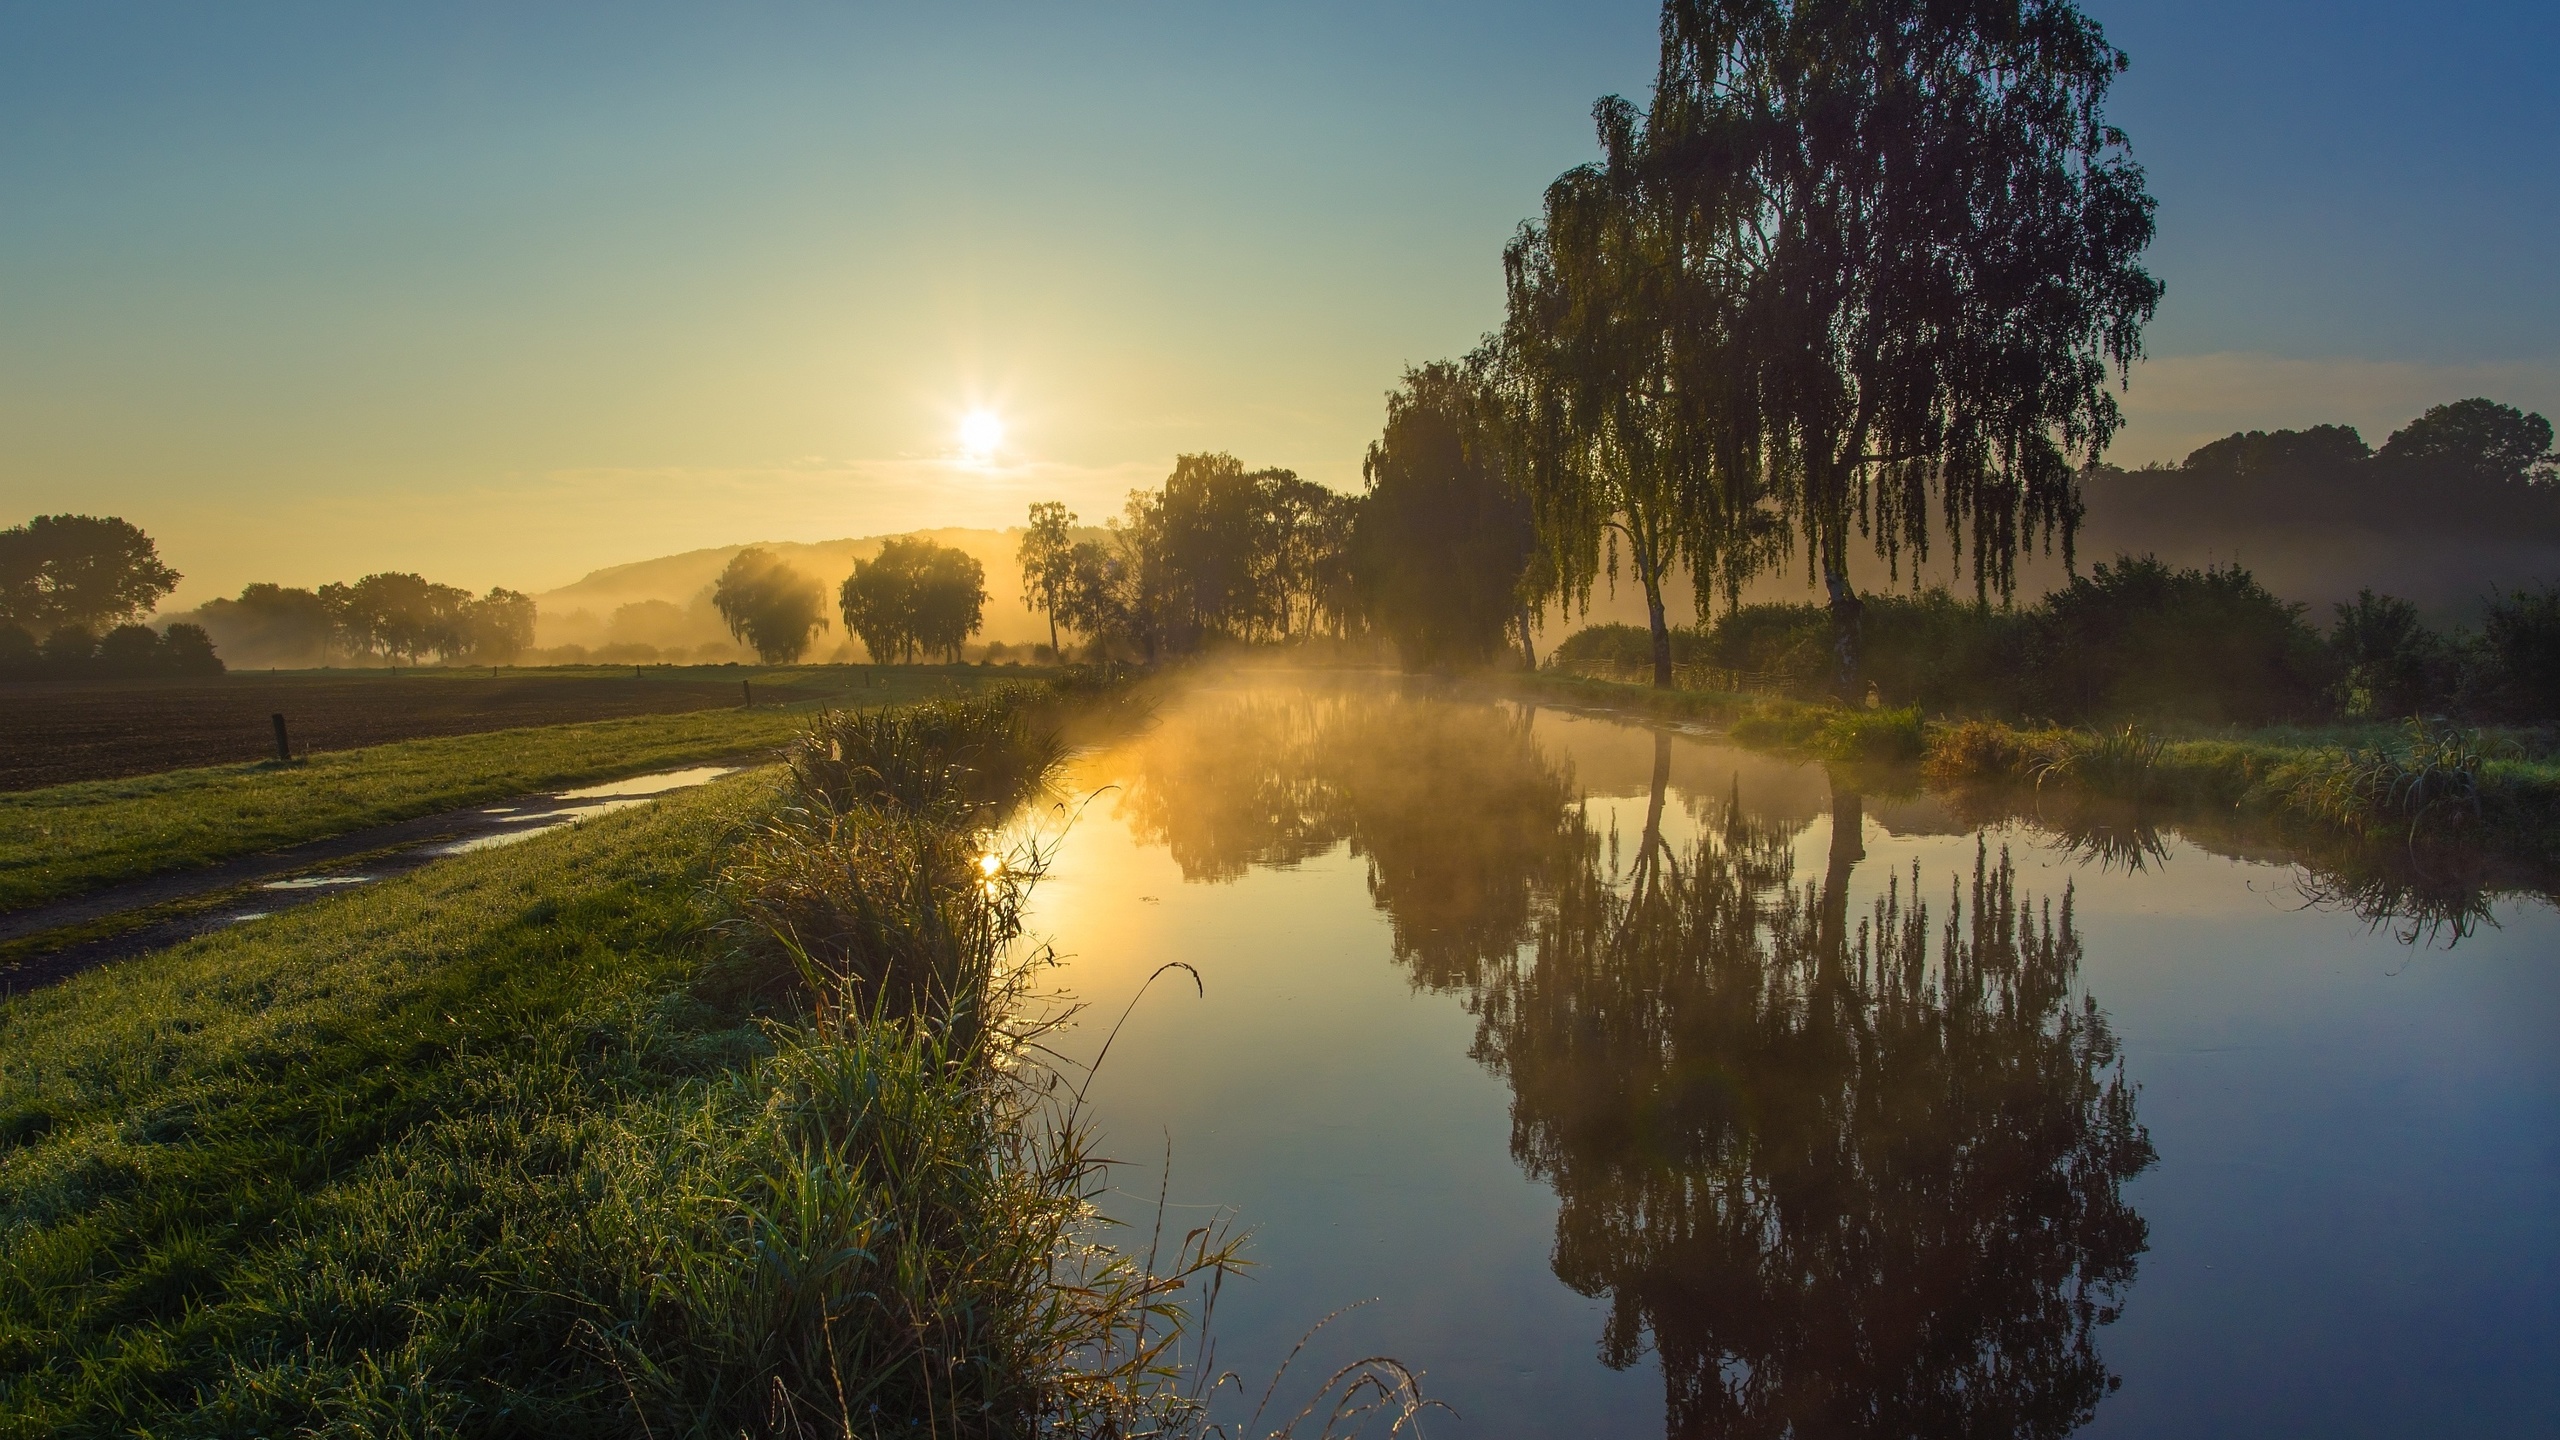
<point x="56" y="732"/>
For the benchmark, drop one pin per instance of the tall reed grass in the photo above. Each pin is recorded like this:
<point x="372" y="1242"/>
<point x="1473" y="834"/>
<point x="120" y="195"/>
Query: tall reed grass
<point x="914" y="1233"/>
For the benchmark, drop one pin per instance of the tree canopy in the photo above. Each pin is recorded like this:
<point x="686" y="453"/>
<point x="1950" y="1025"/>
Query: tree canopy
<point x="914" y="595"/>
<point x="1047" y="555"/>
<point x="1915" y="240"/>
<point x="406" y="617"/>
<point x="82" y="570"/>
<point x="769" y="606"/>
<point x="2478" y="440"/>
<point x="1443" y="540"/>
<point x="1220" y="552"/>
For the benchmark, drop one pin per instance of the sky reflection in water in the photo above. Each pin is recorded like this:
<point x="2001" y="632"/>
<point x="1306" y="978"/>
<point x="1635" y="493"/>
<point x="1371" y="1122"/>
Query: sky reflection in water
<point x="1646" y="1099"/>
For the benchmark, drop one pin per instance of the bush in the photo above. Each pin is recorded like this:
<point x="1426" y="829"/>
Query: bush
<point x="188" y="650"/>
<point x="69" y="647"/>
<point x="1629" y="645"/>
<point x="19" y="655"/>
<point x="2138" y="638"/>
<point x="2393" y="665"/>
<point x="1930" y="649"/>
<point x="2520" y="655"/>
<point x="129" y="650"/>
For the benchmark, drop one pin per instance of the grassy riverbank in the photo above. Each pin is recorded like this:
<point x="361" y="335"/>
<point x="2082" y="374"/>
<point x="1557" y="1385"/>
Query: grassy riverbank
<point x="2365" y="781"/>
<point x="66" y="839"/>
<point x="525" y="1143"/>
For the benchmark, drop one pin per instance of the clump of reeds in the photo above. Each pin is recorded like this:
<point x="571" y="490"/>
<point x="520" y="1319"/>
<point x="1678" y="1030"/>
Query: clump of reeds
<point x="889" y="1231"/>
<point x="1975" y="751"/>
<point x="2429" y="786"/>
<point x="1847" y="736"/>
<point x="955" y="760"/>
<point x="2123" y="762"/>
<point x="1888" y="737"/>
<point x="909" y="1239"/>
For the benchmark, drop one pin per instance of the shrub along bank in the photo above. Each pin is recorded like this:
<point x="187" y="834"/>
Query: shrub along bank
<point x="611" y="1133"/>
<point x="2138" y="639"/>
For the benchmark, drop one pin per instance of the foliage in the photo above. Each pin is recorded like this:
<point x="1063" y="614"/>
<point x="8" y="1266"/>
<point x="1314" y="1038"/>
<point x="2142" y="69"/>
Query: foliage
<point x="69" y="649"/>
<point x="1628" y="645"/>
<point x="2123" y="762"/>
<point x="2520" y="655"/>
<point x="2136" y="637"/>
<point x="2477" y="440"/>
<point x="2431" y="783"/>
<point x="20" y="656"/>
<point x="2253" y="456"/>
<point x="768" y="605"/>
<point x="1875" y="736"/>
<point x="1976" y="751"/>
<point x="79" y="570"/>
<point x="1443" y="540"/>
<point x="1047" y="556"/>
<point x="1220" y="553"/>
<point x="914" y="595"/>
<point x="270" y="625"/>
<point x="963" y="757"/>
<point x="402" y="617"/>
<point x="1607" y="424"/>
<point x="1923" y="237"/>
<point x="127" y="652"/>
<point x="2392" y="663"/>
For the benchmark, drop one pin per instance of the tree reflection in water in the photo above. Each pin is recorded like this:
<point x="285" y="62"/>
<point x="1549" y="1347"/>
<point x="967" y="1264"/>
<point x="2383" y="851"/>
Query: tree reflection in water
<point x="1841" y="1179"/>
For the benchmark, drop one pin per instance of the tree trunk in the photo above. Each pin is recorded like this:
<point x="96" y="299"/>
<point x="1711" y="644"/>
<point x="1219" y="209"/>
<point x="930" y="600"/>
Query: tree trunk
<point x="1649" y="855"/>
<point x="1846" y="642"/>
<point x="1528" y="647"/>
<point x="1053" y="636"/>
<point x="1661" y="633"/>
<point x="1848" y="847"/>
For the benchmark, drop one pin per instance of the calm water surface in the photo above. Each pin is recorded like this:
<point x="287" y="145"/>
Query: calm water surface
<point x="1646" y="1085"/>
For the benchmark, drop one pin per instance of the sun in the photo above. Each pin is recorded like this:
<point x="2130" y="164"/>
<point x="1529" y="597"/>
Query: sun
<point x="981" y="433"/>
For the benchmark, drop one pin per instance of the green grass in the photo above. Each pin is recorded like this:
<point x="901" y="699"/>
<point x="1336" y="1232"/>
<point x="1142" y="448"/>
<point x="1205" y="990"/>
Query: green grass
<point x="511" y="1147"/>
<point x="68" y="839"/>
<point x="2354" y="779"/>
<point x="296" y="1168"/>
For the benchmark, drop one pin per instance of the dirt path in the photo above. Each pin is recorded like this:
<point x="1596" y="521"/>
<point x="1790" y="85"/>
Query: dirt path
<point x="256" y="886"/>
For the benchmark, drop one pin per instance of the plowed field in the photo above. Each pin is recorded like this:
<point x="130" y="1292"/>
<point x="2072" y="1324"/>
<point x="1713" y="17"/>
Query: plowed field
<point x="52" y="733"/>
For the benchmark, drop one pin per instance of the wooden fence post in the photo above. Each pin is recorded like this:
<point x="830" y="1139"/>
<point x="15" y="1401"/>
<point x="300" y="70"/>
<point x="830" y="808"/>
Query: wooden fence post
<point x="284" y="748"/>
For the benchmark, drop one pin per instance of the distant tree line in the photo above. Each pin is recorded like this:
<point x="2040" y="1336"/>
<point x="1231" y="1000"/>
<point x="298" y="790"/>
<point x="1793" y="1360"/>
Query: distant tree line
<point x="388" y="618"/>
<point x="916" y="598"/>
<point x="2472" y="468"/>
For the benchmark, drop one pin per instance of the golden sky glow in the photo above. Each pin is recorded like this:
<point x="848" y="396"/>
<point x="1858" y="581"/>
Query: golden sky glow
<point x="505" y="295"/>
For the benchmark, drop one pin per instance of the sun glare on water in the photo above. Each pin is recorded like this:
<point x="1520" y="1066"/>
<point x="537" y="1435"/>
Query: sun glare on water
<point x="981" y="432"/>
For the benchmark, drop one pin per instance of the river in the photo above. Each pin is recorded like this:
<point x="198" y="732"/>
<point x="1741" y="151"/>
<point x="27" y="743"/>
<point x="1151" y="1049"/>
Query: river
<point x="1644" y="1084"/>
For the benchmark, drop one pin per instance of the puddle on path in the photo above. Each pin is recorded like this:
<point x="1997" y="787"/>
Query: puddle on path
<point x="506" y="825"/>
<point x="482" y="828"/>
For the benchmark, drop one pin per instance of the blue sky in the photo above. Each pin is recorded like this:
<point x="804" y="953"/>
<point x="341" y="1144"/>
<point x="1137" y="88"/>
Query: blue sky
<point x="507" y="292"/>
